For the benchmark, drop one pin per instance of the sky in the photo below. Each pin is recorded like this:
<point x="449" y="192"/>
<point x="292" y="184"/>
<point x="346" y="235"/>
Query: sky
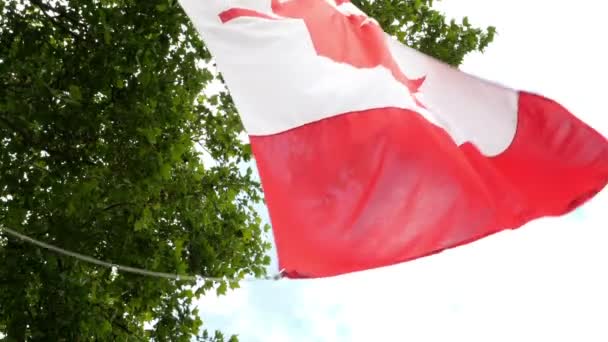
<point x="547" y="281"/>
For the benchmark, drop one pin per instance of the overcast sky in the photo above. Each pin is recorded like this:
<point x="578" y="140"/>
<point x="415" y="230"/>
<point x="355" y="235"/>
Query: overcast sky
<point x="547" y="281"/>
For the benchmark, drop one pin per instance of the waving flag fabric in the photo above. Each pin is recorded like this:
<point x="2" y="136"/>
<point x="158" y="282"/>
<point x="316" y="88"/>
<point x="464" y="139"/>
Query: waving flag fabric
<point x="371" y="153"/>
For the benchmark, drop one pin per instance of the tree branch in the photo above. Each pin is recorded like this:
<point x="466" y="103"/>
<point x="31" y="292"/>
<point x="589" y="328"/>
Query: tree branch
<point x="24" y="134"/>
<point x="60" y="14"/>
<point x="116" y="205"/>
<point x="120" y="325"/>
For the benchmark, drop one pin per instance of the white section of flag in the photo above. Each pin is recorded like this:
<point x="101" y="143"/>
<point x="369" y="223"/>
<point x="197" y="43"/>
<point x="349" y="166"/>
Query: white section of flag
<point x="273" y="73"/>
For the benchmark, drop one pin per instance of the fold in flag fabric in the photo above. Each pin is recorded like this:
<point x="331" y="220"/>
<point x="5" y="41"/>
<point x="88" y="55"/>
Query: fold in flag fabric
<point x="371" y="153"/>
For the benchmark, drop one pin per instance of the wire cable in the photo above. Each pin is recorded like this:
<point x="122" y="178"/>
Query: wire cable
<point x="124" y="268"/>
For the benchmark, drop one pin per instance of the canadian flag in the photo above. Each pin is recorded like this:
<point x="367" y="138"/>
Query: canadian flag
<point x="371" y="153"/>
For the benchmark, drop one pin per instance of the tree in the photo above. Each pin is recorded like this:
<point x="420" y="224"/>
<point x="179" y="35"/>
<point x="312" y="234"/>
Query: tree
<point x="102" y="120"/>
<point x="416" y="24"/>
<point x="100" y="113"/>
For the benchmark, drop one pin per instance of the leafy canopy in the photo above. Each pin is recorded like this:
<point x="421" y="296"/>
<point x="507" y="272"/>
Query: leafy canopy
<point x="102" y="122"/>
<point x="416" y="24"/>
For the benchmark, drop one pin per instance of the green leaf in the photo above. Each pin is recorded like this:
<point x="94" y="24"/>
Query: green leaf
<point x="139" y="225"/>
<point x="165" y="171"/>
<point x="75" y="93"/>
<point x="222" y="288"/>
<point x="247" y="234"/>
<point x="107" y="36"/>
<point x="106" y="327"/>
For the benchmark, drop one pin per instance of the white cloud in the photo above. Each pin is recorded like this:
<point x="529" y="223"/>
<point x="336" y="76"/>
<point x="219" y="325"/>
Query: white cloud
<point x="541" y="282"/>
<point x="550" y="47"/>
